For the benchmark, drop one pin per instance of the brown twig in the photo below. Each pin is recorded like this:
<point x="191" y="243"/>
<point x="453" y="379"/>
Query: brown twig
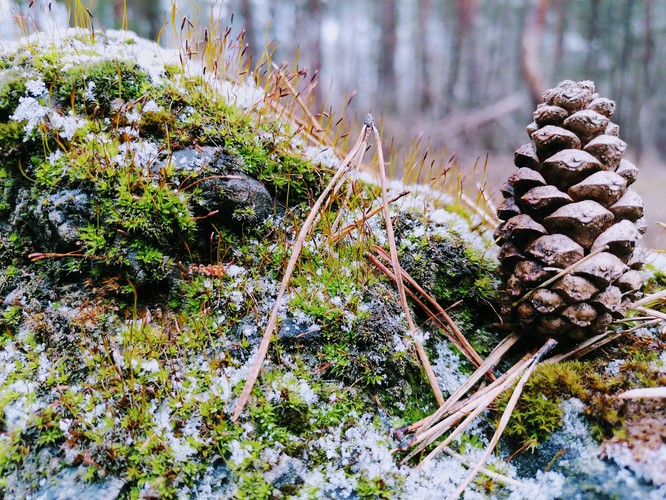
<point x="390" y="236"/>
<point x="504" y="420"/>
<point x="355" y="155"/>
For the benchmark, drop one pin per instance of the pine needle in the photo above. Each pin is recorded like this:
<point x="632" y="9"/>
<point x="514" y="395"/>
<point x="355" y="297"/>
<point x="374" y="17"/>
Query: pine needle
<point x="369" y="215"/>
<point x="654" y="297"/>
<point x="477" y="402"/>
<point x="504" y="420"/>
<point x="644" y="393"/>
<point x="454" y="335"/>
<point x="491" y="361"/>
<point x="561" y="273"/>
<point x="354" y="156"/>
<point x="496" y="476"/>
<point x="390" y="236"/>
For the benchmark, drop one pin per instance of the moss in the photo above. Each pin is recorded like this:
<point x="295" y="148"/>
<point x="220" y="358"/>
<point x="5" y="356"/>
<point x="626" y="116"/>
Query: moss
<point x="451" y="271"/>
<point x="12" y="145"/>
<point x="12" y="88"/>
<point x="538" y="412"/>
<point x="93" y="89"/>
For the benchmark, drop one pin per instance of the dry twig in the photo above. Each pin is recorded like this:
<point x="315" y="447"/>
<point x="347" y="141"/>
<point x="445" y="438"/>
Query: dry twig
<point x="354" y="156"/>
<point x="504" y="420"/>
<point x="396" y="265"/>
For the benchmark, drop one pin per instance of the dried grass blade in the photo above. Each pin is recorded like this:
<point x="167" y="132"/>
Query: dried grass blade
<point x="491" y="361"/>
<point x="460" y="340"/>
<point x="504" y="420"/>
<point x="356" y="154"/>
<point x="390" y="236"/>
<point x="644" y="393"/>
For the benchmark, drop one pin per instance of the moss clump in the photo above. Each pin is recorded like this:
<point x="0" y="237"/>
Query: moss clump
<point x="538" y="412"/>
<point x="12" y="88"/>
<point x="450" y="270"/>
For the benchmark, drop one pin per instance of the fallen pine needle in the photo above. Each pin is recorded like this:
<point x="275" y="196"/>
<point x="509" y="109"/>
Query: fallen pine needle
<point x="645" y="393"/>
<point x="477" y="402"/>
<point x="650" y="298"/>
<point x="449" y="328"/>
<point x="356" y="154"/>
<point x="390" y="236"/>
<point x="491" y="361"/>
<point x="501" y="478"/>
<point x="348" y="229"/>
<point x="504" y="420"/>
<point x="457" y="336"/>
<point x="652" y="312"/>
<point x="560" y="274"/>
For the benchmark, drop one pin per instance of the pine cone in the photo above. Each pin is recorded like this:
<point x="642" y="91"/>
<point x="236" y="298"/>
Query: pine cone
<point x="569" y="198"/>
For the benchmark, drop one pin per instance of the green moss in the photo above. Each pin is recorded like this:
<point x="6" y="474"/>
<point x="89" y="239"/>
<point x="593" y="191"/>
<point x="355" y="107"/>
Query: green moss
<point x="12" y="145"/>
<point x="91" y="89"/>
<point x="12" y="88"/>
<point x="538" y="412"/>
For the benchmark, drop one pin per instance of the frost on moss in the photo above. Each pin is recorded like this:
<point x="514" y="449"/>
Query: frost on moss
<point x="147" y="211"/>
<point x="157" y="206"/>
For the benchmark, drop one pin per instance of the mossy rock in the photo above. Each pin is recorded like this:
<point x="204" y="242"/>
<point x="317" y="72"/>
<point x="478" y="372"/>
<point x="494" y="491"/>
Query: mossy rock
<point x="147" y="213"/>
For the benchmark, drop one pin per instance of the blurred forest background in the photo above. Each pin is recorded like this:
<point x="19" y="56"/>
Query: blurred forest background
<point x="464" y="75"/>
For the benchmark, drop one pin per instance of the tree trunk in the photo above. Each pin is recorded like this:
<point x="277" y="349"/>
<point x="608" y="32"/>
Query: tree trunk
<point x="421" y="40"/>
<point x="559" y="41"/>
<point x="386" y="75"/>
<point x="593" y="38"/>
<point x="253" y="50"/>
<point x="316" y="58"/>
<point x="530" y="51"/>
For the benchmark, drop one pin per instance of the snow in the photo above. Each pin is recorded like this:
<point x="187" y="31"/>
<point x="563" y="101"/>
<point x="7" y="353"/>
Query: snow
<point x="447" y="368"/>
<point x="649" y="464"/>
